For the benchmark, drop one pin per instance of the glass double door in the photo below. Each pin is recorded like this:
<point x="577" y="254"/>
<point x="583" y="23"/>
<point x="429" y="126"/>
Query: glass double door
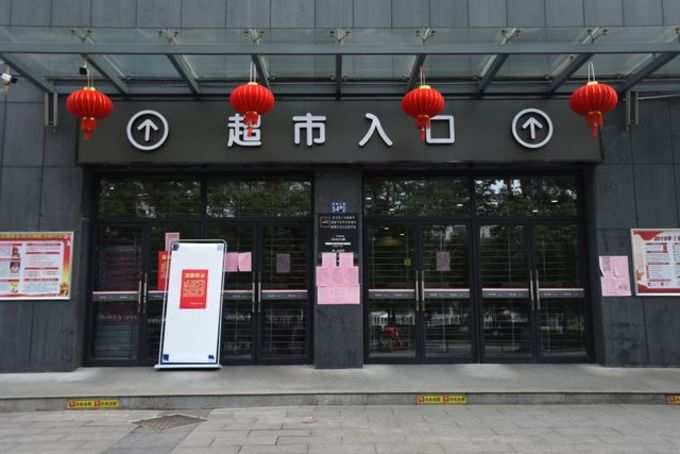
<point x="266" y="298"/>
<point x="461" y="292"/>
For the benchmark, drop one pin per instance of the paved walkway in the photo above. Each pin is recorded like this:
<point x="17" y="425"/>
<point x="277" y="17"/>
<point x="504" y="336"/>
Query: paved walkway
<point x="354" y="429"/>
<point x="262" y="380"/>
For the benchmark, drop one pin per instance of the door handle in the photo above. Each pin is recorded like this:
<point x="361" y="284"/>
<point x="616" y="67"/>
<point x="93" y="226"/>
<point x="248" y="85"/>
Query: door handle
<point x="417" y="285"/>
<point x="145" y="292"/>
<point x="531" y="289"/>
<point x="538" y="292"/>
<point x="422" y="290"/>
<point x="253" y="298"/>
<point x="259" y="292"/>
<point x="140" y="285"/>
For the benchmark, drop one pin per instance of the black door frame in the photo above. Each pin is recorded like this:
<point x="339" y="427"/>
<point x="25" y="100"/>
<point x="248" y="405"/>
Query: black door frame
<point x="200" y="222"/>
<point x="473" y="223"/>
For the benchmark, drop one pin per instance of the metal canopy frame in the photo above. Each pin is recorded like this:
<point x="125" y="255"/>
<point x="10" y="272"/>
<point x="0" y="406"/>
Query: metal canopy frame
<point x="188" y="84"/>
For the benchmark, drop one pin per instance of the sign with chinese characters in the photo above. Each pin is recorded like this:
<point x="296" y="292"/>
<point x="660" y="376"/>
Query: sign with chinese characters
<point x="338" y="233"/>
<point x="346" y="132"/>
<point x="441" y="399"/>
<point x="35" y="265"/>
<point x="194" y="289"/>
<point x="614" y="275"/>
<point x="656" y="261"/>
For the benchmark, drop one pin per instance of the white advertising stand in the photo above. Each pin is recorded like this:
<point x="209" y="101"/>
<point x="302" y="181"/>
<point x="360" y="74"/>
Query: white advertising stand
<point x="192" y="310"/>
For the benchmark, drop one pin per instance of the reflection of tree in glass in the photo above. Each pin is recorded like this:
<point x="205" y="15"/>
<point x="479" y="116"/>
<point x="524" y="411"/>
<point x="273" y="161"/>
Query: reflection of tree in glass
<point x="416" y="197"/>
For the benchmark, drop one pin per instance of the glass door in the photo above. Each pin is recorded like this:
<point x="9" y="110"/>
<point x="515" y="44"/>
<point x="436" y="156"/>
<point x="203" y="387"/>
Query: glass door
<point x="117" y="293"/>
<point x="506" y="315"/>
<point x="446" y="307"/>
<point x="392" y="292"/>
<point x="283" y="297"/>
<point x="559" y="292"/>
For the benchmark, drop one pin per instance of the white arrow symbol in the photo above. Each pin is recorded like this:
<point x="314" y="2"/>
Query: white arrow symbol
<point x="147" y="125"/>
<point x="533" y="124"/>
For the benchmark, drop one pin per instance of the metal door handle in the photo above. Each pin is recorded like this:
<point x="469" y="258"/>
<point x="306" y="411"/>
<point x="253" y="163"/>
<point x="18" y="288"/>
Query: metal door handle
<point x="422" y="290"/>
<point x="538" y="292"/>
<point x="145" y="292"/>
<point x="139" y="296"/>
<point x="531" y="288"/>
<point x="259" y="292"/>
<point x="253" y="299"/>
<point x="417" y="284"/>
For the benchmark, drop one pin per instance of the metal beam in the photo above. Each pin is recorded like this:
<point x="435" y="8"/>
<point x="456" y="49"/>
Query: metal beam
<point x="415" y="71"/>
<point x="454" y="48"/>
<point x="108" y="70"/>
<point x="338" y="77"/>
<point x="261" y="69"/>
<point x="655" y="64"/>
<point x="491" y="72"/>
<point x="182" y="67"/>
<point x="566" y="73"/>
<point x="22" y="69"/>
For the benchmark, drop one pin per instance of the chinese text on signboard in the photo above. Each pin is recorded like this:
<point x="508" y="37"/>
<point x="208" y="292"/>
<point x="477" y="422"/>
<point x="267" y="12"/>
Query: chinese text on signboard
<point x="656" y="261"/>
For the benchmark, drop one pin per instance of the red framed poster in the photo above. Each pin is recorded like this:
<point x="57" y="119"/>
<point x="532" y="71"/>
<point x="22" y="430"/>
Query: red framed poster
<point x="35" y="265"/>
<point x="656" y="261"/>
<point x="194" y="290"/>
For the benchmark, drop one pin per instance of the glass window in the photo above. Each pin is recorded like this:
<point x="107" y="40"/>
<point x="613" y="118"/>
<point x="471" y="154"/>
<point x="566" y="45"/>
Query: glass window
<point x="277" y="197"/>
<point x="149" y="197"/>
<point x="416" y="196"/>
<point x="526" y="196"/>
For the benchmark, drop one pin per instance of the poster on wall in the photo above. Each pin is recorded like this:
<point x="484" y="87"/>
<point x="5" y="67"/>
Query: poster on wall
<point x="614" y="275"/>
<point x="35" y="265"/>
<point x="656" y="261"/>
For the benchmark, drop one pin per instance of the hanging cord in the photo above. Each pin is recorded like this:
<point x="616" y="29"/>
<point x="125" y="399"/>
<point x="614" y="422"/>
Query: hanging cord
<point x="422" y="76"/>
<point x="253" y="73"/>
<point x="591" y="72"/>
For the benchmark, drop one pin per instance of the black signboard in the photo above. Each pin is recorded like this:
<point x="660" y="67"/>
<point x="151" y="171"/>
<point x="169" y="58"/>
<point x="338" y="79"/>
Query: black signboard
<point x="339" y="233"/>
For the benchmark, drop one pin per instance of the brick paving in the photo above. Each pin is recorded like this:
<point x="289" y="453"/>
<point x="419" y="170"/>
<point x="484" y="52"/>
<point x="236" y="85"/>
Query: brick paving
<point x="353" y="430"/>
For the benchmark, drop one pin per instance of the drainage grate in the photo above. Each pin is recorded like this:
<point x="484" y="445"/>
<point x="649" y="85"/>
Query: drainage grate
<point x="167" y="422"/>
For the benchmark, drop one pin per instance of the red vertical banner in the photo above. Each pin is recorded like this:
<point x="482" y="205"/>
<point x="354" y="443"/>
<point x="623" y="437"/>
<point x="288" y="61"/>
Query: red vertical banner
<point x="194" y="290"/>
<point x="162" y="276"/>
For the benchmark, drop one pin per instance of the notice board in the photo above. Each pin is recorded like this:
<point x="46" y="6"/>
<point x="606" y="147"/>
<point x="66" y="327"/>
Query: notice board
<point x="35" y="265"/>
<point x="656" y="261"/>
<point x="192" y="311"/>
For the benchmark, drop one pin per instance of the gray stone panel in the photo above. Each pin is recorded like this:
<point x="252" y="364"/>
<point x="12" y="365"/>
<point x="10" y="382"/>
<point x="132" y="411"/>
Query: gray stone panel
<point x="614" y="242"/>
<point x="204" y="13"/>
<point x="61" y="198"/>
<point x="20" y="198"/>
<point x="119" y="13"/>
<point x="74" y="13"/>
<point x="671" y="12"/>
<point x="488" y="13"/>
<point x="25" y="91"/>
<point x="292" y="13"/>
<point x="15" y="335"/>
<point x="614" y="197"/>
<point x="639" y="13"/>
<point x="372" y="13"/>
<point x="603" y="12"/>
<point x="53" y="336"/>
<point x="407" y="13"/>
<point x="334" y="13"/>
<point x="564" y="13"/>
<point x="60" y="143"/>
<point x="652" y="139"/>
<point x="31" y="12"/>
<point x="656" y="207"/>
<point x="663" y="320"/>
<point x="624" y="332"/>
<point x="338" y="344"/>
<point x="5" y="12"/>
<point x="616" y="141"/>
<point x="449" y="13"/>
<point x="159" y="13"/>
<point x="24" y="133"/>
<point x="248" y="13"/>
<point x="528" y="13"/>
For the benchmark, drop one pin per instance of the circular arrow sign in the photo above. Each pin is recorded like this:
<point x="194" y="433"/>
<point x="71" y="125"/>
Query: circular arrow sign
<point x="147" y="130"/>
<point x="532" y="128"/>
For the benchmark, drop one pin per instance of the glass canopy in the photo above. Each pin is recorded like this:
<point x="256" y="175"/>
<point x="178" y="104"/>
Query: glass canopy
<point x="345" y="62"/>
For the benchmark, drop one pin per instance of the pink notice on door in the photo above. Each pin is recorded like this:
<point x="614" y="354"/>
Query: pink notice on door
<point x="615" y="275"/>
<point x="231" y="262"/>
<point x="350" y="276"/>
<point x="346" y="259"/>
<point x="323" y="276"/>
<point x="329" y="259"/>
<point x="245" y="262"/>
<point x="170" y="237"/>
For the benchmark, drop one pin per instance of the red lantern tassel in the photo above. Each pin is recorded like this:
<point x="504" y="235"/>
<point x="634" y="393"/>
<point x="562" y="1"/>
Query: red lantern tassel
<point x="251" y="120"/>
<point x="423" y="123"/>
<point x="595" y="120"/>
<point x="88" y="126"/>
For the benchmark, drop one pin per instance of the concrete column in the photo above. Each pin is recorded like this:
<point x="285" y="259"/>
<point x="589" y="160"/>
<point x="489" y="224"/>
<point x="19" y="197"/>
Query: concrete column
<point x="338" y="329"/>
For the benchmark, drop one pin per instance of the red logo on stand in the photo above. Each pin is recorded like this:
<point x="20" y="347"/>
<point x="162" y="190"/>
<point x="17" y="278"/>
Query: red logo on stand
<point x="194" y="294"/>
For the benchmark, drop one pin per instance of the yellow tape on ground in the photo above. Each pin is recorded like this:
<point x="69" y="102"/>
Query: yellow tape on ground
<point x="92" y="404"/>
<point x="441" y="399"/>
<point x="673" y="399"/>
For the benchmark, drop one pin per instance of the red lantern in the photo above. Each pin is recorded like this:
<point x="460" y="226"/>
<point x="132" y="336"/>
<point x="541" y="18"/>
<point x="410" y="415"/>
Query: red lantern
<point x="593" y="100"/>
<point x="251" y="100"/>
<point x="88" y="104"/>
<point x="423" y="103"/>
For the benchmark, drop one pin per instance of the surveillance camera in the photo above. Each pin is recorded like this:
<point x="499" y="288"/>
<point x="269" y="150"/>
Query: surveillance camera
<point x="83" y="69"/>
<point x="7" y="78"/>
